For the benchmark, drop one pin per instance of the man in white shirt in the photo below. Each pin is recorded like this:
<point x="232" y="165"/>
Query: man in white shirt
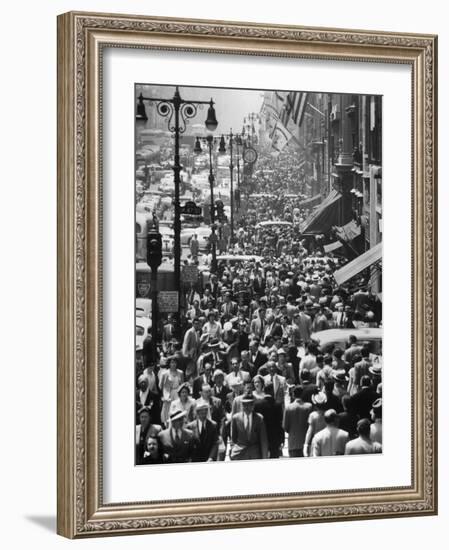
<point x="236" y="374"/>
<point x="363" y="443"/>
<point x="331" y="440"/>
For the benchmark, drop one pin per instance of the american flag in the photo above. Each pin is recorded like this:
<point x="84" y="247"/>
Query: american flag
<point x="294" y="107"/>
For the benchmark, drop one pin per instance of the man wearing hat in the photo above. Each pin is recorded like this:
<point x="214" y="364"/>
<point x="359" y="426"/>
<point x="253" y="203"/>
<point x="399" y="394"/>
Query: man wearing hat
<point x="228" y="308"/>
<point x="216" y="411"/>
<point x="191" y="346"/>
<point x="177" y="442"/>
<point x="362" y="401"/>
<point x="204" y="378"/>
<point x="205" y="432"/>
<point x="376" y="417"/>
<point x="316" y="419"/>
<point x="330" y="441"/>
<point x="363" y="444"/>
<point x="375" y="372"/>
<point x="248" y="433"/>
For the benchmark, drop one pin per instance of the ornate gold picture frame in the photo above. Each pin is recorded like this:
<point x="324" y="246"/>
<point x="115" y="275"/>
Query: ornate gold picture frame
<point x="82" y="37"/>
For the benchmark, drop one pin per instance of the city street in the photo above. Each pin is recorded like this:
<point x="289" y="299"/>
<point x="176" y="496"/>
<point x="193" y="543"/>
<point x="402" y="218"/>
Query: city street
<point x="258" y="277"/>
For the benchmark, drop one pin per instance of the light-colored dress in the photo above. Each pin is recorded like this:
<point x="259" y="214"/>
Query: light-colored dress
<point x="170" y="382"/>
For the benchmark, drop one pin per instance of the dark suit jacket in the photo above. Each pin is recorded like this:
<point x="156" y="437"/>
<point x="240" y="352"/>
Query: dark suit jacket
<point x="173" y="451"/>
<point x="206" y="443"/>
<point x="276" y="330"/>
<point x="259" y="360"/>
<point x="222" y="394"/>
<point x="361" y="402"/>
<point x="197" y="384"/>
<point x="248" y="445"/>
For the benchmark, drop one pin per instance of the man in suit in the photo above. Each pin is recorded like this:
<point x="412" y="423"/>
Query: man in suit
<point x="220" y="389"/>
<point x="339" y="316"/>
<point x="257" y="326"/>
<point x="228" y="308"/>
<point x="205" y="432"/>
<point x="362" y="401"/>
<point x="236" y="372"/>
<point x="257" y="357"/>
<point x="302" y="326"/>
<point x="213" y="286"/>
<point x="248" y="433"/>
<point x="272" y="329"/>
<point x="177" y="442"/>
<point x="246" y="365"/>
<point x="330" y="441"/>
<point x="295" y="422"/>
<point x="278" y="383"/>
<point x="204" y="378"/>
<point x="191" y="346"/>
<point x="216" y="412"/>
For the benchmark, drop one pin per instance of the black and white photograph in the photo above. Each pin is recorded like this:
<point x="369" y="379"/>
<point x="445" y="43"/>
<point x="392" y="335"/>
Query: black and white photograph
<point x="258" y="274"/>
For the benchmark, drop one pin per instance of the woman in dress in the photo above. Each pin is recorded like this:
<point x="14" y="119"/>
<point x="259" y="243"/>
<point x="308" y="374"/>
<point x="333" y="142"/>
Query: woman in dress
<point x="259" y="387"/>
<point x="184" y="402"/>
<point x="170" y="382"/>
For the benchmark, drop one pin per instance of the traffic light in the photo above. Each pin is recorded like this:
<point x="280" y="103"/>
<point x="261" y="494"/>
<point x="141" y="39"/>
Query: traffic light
<point x="154" y="249"/>
<point x="219" y="206"/>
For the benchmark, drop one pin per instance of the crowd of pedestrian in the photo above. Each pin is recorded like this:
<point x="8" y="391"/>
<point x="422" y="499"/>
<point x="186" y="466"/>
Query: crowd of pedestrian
<point x="241" y="376"/>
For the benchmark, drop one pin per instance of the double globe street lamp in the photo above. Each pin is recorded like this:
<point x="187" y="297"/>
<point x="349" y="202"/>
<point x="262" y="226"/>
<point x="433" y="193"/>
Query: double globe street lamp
<point x="177" y="110"/>
<point x="210" y="140"/>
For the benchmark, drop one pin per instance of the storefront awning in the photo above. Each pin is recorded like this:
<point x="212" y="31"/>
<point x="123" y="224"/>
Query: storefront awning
<point x="332" y="246"/>
<point x="311" y="201"/>
<point x="347" y="233"/>
<point x="325" y="216"/>
<point x="363" y="261"/>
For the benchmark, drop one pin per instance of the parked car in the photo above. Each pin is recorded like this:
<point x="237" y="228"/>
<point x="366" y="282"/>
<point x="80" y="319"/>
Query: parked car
<point x="143" y="307"/>
<point x="143" y="329"/>
<point x="203" y="234"/>
<point x="338" y="337"/>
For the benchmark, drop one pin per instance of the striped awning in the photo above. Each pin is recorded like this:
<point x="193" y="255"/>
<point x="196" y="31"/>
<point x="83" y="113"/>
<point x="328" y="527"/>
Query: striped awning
<point x="367" y="259"/>
<point x="325" y="215"/>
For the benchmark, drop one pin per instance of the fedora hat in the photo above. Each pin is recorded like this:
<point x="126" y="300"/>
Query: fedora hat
<point x="248" y="398"/>
<point x="214" y="342"/>
<point x="376" y="370"/>
<point x="177" y="415"/>
<point x="340" y="375"/>
<point x="319" y="398"/>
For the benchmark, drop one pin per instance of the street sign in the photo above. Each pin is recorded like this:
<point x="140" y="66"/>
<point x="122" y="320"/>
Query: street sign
<point x="189" y="274"/>
<point x="191" y="209"/>
<point x="167" y="301"/>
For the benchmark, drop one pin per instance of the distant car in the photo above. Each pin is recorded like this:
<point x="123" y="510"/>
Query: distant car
<point x="143" y="307"/>
<point x="203" y="234"/>
<point x="233" y="258"/>
<point x="143" y="329"/>
<point x="338" y="337"/>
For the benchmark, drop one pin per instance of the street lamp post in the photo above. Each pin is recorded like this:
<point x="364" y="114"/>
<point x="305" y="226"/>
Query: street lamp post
<point x="232" y="138"/>
<point x="213" y="238"/>
<point x="178" y="111"/>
